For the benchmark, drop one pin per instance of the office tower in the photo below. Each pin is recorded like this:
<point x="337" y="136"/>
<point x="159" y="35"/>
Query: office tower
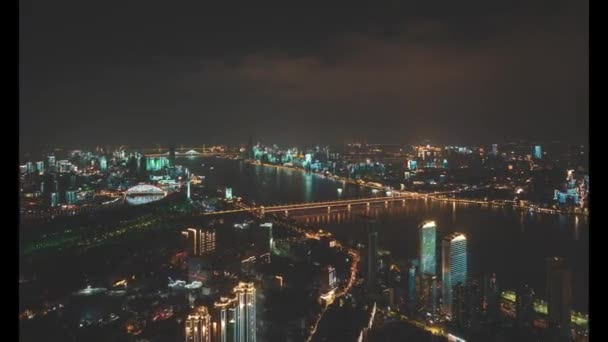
<point x="263" y="240"/>
<point x="250" y="154"/>
<point x="228" y="193"/>
<point x="372" y="253"/>
<point x="198" y="325"/>
<point x="411" y="284"/>
<point x="495" y="149"/>
<point x="491" y="296"/>
<point x="454" y="266"/>
<point x="70" y="197"/>
<point x="29" y="167"/>
<point x="54" y="199"/>
<point x="524" y="305"/>
<point x="225" y="310"/>
<point x="245" y="312"/>
<point x="466" y="305"/>
<point x="329" y="281"/>
<point x="103" y="163"/>
<point x="200" y="241"/>
<point x="172" y="153"/>
<point x="188" y="189"/>
<point x="538" y="154"/>
<point x="40" y="167"/>
<point x="428" y="248"/>
<point x="559" y="293"/>
<point x="50" y="161"/>
<point x="64" y="166"/>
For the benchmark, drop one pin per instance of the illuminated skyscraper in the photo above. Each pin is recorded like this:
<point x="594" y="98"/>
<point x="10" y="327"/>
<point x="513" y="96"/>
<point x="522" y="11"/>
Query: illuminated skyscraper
<point x="495" y="149"/>
<point x="245" y="312"/>
<point x="454" y="266"/>
<point x="559" y="293"/>
<point x="172" y="153"/>
<point x="54" y="199"/>
<point x="200" y="241"/>
<point x="228" y="193"/>
<point x="428" y="248"/>
<point x="198" y="326"/>
<point x="70" y="197"/>
<point x="40" y="167"/>
<point x="372" y="253"/>
<point x="226" y="315"/>
<point x="538" y="154"/>
<point x="103" y="163"/>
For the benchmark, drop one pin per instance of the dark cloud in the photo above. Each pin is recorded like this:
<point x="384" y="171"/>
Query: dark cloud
<point x="473" y="71"/>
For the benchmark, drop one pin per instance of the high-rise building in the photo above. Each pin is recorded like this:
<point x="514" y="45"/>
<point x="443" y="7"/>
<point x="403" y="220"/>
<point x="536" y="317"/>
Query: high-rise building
<point x="50" y="161"/>
<point x="454" y="266"/>
<point x="245" y="312"/>
<point x="40" y="167"/>
<point x="226" y="315"/>
<point x="264" y="241"/>
<point x="172" y="153"/>
<point x="491" y="296"/>
<point x="54" y="199"/>
<point x="228" y="194"/>
<point x="29" y="167"/>
<point x="329" y="280"/>
<point x="495" y="149"/>
<point x="428" y="248"/>
<point x="559" y="293"/>
<point x="372" y="253"/>
<point x="200" y="241"/>
<point x="70" y="197"/>
<point x="103" y="163"/>
<point x="538" y="153"/>
<point x="198" y="325"/>
<point x="524" y="305"/>
<point x="64" y="166"/>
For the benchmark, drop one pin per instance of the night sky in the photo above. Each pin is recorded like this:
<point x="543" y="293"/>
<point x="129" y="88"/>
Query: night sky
<point x="145" y="72"/>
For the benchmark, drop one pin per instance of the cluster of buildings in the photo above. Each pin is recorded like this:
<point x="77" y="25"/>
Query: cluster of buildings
<point x="440" y="290"/>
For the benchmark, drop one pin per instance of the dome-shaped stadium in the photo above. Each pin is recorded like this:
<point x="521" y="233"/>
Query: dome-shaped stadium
<point x="144" y="193"/>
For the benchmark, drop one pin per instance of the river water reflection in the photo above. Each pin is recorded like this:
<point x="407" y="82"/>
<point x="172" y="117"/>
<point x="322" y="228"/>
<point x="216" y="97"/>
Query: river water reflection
<point x="509" y="242"/>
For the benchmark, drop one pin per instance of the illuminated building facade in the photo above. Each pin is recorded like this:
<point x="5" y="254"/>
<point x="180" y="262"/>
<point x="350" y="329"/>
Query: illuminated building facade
<point x="198" y="325"/>
<point x="372" y="253"/>
<point x="228" y="193"/>
<point x="156" y="163"/>
<point x="428" y="248"/>
<point x="226" y="315"/>
<point x="245" y="312"/>
<point x="103" y="163"/>
<point x="524" y="305"/>
<point x="40" y="167"/>
<point x="200" y="241"/>
<point x="70" y="197"/>
<point x="54" y="199"/>
<point x="538" y="152"/>
<point x="559" y="293"/>
<point x="454" y="266"/>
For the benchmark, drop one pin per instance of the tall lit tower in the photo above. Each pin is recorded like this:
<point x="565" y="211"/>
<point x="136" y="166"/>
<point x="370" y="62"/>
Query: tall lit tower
<point x="559" y="293"/>
<point x="198" y="326"/>
<point x="454" y="266"/>
<point x="200" y="241"/>
<point x="226" y="311"/>
<point x="372" y="253"/>
<point x="188" y="180"/>
<point x="245" y="312"/>
<point x="428" y="248"/>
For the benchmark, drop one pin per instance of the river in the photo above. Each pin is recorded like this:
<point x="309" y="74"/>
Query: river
<point x="509" y="242"/>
